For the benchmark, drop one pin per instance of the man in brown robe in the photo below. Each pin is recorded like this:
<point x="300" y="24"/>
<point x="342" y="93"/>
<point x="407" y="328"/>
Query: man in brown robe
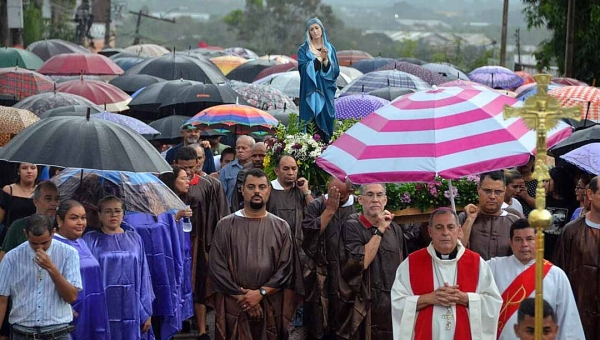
<point x="209" y="205"/>
<point x="251" y="260"/>
<point x="373" y="248"/>
<point x="321" y="227"/>
<point x="259" y="152"/>
<point x="577" y="253"/>
<point x="486" y="227"/>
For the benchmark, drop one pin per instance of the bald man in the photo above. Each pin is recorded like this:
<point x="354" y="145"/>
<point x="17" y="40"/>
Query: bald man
<point x="321" y="226"/>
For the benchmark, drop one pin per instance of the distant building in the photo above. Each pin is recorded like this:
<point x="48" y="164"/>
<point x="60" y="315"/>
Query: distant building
<point x="439" y="39"/>
<point x="422" y="24"/>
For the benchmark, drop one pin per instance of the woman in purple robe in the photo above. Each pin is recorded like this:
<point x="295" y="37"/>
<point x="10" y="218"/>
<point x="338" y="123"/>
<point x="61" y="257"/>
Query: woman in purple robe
<point x="90" y="314"/>
<point x="127" y="283"/>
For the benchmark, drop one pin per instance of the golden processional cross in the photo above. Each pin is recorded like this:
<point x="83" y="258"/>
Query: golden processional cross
<point x="541" y="112"/>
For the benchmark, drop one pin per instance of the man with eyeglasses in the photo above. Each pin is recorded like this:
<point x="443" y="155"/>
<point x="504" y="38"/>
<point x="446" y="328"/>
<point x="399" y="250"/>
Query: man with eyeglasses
<point x="486" y="226"/>
<point x="371" y="249"/>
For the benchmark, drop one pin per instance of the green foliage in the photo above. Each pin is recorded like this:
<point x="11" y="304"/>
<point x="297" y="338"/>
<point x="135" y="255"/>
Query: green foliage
<point x="34" y="25"/>
<point x="552" y="14"/>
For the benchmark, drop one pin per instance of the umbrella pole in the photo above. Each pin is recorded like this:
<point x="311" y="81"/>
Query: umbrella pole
<point x="586" y="113"/>
<point x="450" y="187"/>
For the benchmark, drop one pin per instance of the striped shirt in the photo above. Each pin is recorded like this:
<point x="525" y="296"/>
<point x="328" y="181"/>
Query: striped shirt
<point x="36" y="302"/>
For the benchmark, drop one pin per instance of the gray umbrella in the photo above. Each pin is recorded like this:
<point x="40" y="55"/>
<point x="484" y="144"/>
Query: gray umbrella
<point x="80" y="142"/>
<point x="72" y="110"/>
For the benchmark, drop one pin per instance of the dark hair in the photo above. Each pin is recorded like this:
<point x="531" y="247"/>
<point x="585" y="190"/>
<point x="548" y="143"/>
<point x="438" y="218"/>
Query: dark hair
<point x="563" y="183"/>
<point x="527" y="307"/>
<point x="585" y="178"/>
<point x="65" y="206"/>
<point x="254" y="172"/>
<point x="493" y="175"/>
<point x="45" y="185"/>
<point x="519" y="224"/>
<point x="593" y="186"/>
<point x="227" y="151"/>
<point x="186" y="153"/>
<point x="511" y="175"/>
<point x="38" y="225"/>
<point x="280" y="158"/>
<point x="106" y="199"/>
<point x="440" y="211"/>
<point x="169" y="177"/>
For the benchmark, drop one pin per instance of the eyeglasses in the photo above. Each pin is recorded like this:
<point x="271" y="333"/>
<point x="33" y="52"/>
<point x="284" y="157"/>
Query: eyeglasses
<point x="111" y="212"/>
<point x="489" y="192"/>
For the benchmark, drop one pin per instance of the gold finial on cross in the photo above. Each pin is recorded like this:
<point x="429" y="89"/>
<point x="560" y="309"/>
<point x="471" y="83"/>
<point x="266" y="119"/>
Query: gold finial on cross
<point x="541" y="112"/>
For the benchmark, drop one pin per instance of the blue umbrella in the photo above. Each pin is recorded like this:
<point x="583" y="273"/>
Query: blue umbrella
<point x="135" y="124"/>
<point x="379" y="79"/>
<point x="128" y="62"/>
<point x="140" y="192"/>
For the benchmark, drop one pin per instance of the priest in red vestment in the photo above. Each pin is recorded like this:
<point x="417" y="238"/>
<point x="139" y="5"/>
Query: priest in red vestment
<point x="445" y="291"/>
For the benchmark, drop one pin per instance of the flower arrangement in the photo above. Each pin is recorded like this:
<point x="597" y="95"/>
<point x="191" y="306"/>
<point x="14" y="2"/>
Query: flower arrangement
<point x="432" y="195"/>
<point x="305" y="147"/>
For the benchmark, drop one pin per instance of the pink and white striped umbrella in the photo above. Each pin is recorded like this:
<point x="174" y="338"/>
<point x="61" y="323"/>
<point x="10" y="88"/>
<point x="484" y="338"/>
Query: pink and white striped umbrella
<point x="451" y="132"/>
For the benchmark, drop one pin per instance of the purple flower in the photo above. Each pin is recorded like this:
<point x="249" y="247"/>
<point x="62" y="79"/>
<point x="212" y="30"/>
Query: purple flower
<point x="473" y="178"/>
<point x="433" y="191"/>
<point x="454" y="192"/>
<point x="405" y="198"/>
<point x="297" y="146"/>
<point x="316" y="137"/>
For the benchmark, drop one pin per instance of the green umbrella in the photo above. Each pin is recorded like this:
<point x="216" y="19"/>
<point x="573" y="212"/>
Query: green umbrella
<point x="10" y="56"/>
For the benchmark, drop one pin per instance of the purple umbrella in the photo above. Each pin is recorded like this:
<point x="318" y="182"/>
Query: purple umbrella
<point x="496" y="77"/>
<point x="357" y="106"/>
<point x="586" y="157"/>
<point x="431" y="77"/>
<point x="136" y="125"/>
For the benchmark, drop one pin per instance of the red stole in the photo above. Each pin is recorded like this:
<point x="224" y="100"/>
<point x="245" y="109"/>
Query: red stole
<point x="421" y="281"/>
<point x="519" y="290"/>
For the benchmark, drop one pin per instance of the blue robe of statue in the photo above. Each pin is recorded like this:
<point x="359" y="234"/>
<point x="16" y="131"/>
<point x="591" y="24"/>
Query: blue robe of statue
<point x="127" y="281"/>
<point x="164" y="246"/>
<point x="92" y="320"/>
<point x="317" y="88"/>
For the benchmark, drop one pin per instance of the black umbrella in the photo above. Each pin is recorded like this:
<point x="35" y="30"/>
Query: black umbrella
<point x="579" y="124"/>
<point x="43" y="102"/>
<point x="371" y="65"/>
<point x="248" y="72"/>
<point x="46" y="49"/>
<point x="130" y="83"/>
<point x="80" y="142"/>
<point x="577" y="139"/>
<point x="390" y="93"/>
<point x="107" y="52"/>
<point x="175" y="66"/>
<point x="71" y="111"/>
<point x="169" y="127"/>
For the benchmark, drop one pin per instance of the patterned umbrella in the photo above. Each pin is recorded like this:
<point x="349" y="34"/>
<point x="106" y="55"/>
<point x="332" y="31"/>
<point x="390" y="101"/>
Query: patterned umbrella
<point x="286" y="82"/>
<point x="496" y="77"/>
<point x="46" y="49"/>
<point x="349" y="57"/>
<point x="586" y="157"/>
<point x="13" y="120"/>
<point x="431" y="77"/>
<point x="248" y="72"/>
<point x="177" y="66"/>
<point x="20" y="83"/>
<point x="276" y="69"/>
<point x="263" y="97"/>
<point x="147" y="50"/>
<point x="98" y="92"/>
<point x="43" y="102"/>
<point x="75" y="63"/>
<point x="568" y="81"/>
<point x="446" y="70"/>
<point x="585" y="96"/>
<point x="527" y="78"/>
<point x="242" y="52"/>
<point x="357" y="106"/>
<point x="130" y="83"/>
<point x="462" y="83"/>
<point x="10" y="56"/>
<point x="451" y="132"/>
<point x="240" y="119"/>
<point x="371" y="65"/>
<point x="72" y="111"/>
<point x="390" y="93"/>
<point x="135" y="124"/>
<point x="228" y="63"/>
<point x="379" y="79"/>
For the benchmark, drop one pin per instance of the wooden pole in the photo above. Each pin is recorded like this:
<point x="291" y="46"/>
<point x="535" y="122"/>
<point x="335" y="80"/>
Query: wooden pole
<point x="504" y="34"/>
<point x="570" y="38"/>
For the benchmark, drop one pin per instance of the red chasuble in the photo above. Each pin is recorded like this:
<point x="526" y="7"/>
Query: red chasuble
<point x="421" y="282"/>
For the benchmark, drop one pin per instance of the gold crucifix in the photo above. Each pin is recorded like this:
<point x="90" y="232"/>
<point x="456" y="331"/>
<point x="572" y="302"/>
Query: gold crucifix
<point x="541" y="112"/>
<point x="449" y="317"/>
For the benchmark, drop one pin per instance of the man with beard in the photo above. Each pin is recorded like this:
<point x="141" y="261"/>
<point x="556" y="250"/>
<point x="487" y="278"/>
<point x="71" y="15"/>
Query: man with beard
<point x="321" y="227"/>
<point x="486" y="227"/>
<point x="251" y="260"/>
<point x="191" y="135"/>
<point x="259" y="152"/>
<point x="373" y="247"/>
<point x="208" y="203"/>
<point x="228" y="175"/>
<point x="577" y="253"/>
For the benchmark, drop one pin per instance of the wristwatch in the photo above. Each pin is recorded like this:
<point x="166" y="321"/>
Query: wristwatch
<point x="262" y="291"/>
<point x="377" y="232"/>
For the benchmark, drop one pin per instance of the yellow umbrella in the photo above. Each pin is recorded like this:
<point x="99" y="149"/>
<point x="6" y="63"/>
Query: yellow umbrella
<point x="228" y="62"/>
<point x="13" y="121"/>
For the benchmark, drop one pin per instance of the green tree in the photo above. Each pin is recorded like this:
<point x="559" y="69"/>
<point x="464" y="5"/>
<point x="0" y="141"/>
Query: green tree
<point x="552" y="14"/>
<point x="33" y="23"/>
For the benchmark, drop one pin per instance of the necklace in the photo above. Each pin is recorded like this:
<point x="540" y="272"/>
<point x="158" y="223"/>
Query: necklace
<point x="449" y="316"/>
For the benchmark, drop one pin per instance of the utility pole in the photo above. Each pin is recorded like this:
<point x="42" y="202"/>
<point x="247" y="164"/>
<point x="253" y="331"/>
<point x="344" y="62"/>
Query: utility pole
<point x="504" y="34"/>
<point x="140" y="14"/>
<point x="107" y="25"/>
<point x="570" y="38"/>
